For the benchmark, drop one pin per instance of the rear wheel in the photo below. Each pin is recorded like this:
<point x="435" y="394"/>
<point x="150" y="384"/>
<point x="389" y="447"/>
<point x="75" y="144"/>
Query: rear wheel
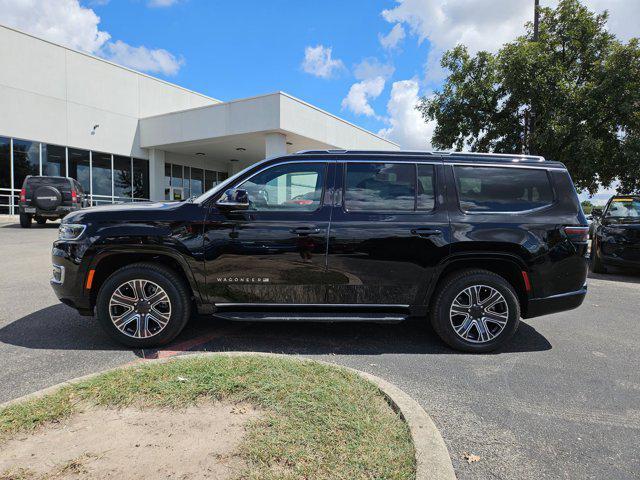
<point x="475" y="311"/>
<point x="25" y="220"/>
<point x="143" y="305"/>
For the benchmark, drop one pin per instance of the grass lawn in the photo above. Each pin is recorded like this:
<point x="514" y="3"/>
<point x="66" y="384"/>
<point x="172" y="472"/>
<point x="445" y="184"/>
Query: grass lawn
<point x="320" y="422"/>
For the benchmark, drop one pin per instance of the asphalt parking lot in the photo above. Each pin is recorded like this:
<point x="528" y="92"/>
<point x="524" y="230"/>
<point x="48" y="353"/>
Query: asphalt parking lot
<point x="561" y="401"/>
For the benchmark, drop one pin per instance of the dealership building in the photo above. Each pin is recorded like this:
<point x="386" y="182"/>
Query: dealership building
<point x="126" y="136"/>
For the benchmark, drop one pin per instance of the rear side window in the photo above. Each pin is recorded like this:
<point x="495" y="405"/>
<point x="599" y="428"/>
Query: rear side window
<point x="498" y="189"/>
<point x="380" y="187"/>
<point x="60" y="183"/>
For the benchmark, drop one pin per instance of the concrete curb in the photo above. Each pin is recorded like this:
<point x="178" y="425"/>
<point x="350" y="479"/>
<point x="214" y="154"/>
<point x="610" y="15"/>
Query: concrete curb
<point x="432" y="457"/>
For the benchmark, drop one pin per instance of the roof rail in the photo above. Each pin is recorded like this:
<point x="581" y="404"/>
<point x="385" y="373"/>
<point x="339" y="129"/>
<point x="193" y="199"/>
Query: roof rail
<point x="363" y="152"/>
<point x="510" y="156"/>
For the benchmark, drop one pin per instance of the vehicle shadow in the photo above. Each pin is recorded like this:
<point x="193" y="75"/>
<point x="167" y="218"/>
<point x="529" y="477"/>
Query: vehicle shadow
<point x="34" y="225"/>
<point x="617" y="275"/>
<point x="60" y="328"/>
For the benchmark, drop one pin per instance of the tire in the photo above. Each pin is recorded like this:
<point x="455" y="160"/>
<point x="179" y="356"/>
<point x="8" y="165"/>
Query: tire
<point x="25" y="220"/>
<point x="41" y="220"/>
<point x="499" y="324"/>
<point x="177" y="313"/>
<point x="595" y="262"/>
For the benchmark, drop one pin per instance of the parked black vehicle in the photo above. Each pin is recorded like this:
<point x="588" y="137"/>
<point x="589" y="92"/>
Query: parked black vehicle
<point x="49" y="198"/>
<point x="615" y="234"/>
<point x="472" y="242"/>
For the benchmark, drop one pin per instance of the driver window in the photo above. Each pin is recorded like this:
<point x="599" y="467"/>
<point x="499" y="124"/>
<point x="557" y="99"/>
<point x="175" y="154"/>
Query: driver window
<point x="289" y="187"/>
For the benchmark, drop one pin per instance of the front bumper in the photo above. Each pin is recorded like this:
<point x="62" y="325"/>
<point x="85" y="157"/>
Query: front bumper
<point x="69" y="275"/>
<point x="537" y="307"/>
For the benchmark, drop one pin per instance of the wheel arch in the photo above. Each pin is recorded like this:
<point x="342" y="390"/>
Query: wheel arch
<point x="107" y="262"/>
<point x="508" y="266"/>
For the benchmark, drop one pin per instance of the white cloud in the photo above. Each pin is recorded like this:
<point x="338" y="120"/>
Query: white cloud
<point x="357" y="100"/>
<point x="487" y="25"/>
<point x="317" y="61"/>
<point x="142" y="58"/>
<point x="68" y="23"/>
<point x="406" y="126"/>
<point x="60" y="21"/>
<point x="161" y="3"/>
<point x="372" y="67"/>
<point x="393" y="38"/>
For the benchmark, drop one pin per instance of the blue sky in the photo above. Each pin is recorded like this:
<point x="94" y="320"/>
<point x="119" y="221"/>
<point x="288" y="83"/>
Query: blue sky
<point x="240" y="49"/>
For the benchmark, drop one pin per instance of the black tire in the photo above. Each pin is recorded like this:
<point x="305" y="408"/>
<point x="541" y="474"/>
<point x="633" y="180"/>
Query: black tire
<point x="453" y="286"/>
<point x="25" y="220"/>
<point x="595" y="261"/>
<point x="178" y="293"/>
<point x="41" y="220"/>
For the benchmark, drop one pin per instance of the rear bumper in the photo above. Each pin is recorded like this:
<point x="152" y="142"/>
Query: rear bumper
<point x="556" y="303"/>
<point x="59" y="212"/>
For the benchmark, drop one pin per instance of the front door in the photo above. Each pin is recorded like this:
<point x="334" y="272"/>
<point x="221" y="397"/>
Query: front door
<point x="274" y="252"/>
<point x="389" y="231"/>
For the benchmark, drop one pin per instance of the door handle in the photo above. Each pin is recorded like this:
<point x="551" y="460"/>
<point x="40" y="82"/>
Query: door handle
<point x="305" y="230"/>
<point x="426" y="232"/>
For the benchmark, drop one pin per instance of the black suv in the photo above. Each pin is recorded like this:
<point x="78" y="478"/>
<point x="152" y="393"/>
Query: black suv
<point x="49" y="198"/>
<point x="615" y="234"/>
<point x="472" y="242"/>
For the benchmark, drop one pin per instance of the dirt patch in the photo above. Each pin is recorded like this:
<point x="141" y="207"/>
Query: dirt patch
<point x="194" y="443"/>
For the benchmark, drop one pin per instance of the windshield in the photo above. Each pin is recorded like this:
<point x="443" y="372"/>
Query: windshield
<point x="625" y="208"/>
<point x="223" y="185"/>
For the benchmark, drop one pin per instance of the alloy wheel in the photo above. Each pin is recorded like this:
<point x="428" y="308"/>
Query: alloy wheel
<point x="140" y="308"/>
<point x="479" y="313"/>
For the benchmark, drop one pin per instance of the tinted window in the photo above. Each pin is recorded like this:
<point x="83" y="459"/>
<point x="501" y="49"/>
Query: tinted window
<point x="26" y="160"/>
<point x="196" y="181"/>
<point x="140" y="178"/>
<point x="53" y="160"/>
<point x="5" y="163"/>
<point x="426" y="189"/>
<point x="121" y="177"/>
<point x="502" y="189"/>
<point x="295" y="187"/>
<point x="79" y="167"/>
<point x="380" y="187"/>
<point x="101" y="173"/>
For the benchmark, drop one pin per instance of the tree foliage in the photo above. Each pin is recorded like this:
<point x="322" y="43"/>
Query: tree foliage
<point x="578" y="85"/>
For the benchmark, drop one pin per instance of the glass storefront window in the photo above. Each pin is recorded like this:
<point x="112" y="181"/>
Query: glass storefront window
<point x="5" y="175"/>
<point x="26" y="160"/>
<point x="53" y="161"/>
<point x="101" y="175"/>
<point x="141" y="178"/>
<point x="187" y="182"/>
<point x="121" y="177"/>
<point x="196" y="181"/>
<point x="210" y="179"/>
<point x="79" y="167"/>
<point x="167" y="181"/>
<point x="176" y="176"/>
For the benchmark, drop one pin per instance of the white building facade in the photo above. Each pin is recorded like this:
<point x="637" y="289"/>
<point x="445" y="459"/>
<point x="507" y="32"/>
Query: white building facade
<point x="126" y="136"/>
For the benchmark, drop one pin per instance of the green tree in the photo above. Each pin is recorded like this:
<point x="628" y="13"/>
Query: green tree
<point x="578" y="85"/>
<point x="587" y="206"/>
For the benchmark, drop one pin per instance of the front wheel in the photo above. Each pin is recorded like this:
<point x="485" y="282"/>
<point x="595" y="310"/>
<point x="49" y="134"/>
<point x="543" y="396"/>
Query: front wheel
<point x="475" y="311"/>
<point x="143" y="305"/>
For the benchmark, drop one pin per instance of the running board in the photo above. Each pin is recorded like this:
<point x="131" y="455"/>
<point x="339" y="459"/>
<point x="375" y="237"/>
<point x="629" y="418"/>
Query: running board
<point x="310" y="317"/>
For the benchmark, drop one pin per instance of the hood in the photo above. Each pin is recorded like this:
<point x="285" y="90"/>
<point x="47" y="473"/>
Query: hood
<point x="141" y="211"/>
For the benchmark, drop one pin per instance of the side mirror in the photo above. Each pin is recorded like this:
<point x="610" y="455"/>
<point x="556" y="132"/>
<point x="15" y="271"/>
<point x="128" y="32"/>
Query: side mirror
<point x="234" y="199"/>
<point x="596" y="212"/>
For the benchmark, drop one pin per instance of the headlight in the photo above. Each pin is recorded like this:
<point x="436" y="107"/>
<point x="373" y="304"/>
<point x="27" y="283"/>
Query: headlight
<point x="70" y="231"/>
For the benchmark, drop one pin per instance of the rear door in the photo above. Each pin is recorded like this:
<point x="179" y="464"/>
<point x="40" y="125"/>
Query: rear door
<point x="389" y="231"/>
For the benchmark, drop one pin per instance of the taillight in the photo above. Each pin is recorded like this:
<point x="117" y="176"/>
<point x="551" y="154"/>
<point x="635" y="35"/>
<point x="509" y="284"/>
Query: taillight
<point x="577" y="234"/>
<point x="74" y="196"/>
<point x="23" y="195"/>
